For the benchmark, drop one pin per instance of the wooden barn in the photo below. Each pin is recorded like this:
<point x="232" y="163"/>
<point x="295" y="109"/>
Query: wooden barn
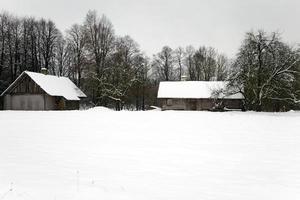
<point x="197" y="95"/>
<point x="37" y="91"/>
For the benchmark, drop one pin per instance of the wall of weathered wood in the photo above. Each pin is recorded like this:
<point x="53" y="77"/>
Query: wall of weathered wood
<point x="29" y="102"/>
<point x="37" y="102"/>
<point x="198" y="104"/>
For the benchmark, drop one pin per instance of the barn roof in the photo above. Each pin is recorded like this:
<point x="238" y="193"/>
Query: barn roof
<point x="52" y="85"/>
<point x="195" y="90"/>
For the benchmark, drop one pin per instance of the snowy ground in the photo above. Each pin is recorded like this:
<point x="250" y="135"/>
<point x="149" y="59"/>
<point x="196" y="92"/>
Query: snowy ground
<point x="106" y="155"/>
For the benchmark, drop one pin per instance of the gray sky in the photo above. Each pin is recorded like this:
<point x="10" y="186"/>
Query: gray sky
<point x="155" y="23"/>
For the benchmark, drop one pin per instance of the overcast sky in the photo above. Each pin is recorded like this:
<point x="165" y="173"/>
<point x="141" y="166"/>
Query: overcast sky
<point x="155" y="23"/>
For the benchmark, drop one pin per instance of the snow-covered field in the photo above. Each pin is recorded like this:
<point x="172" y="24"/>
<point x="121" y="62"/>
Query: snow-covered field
<point x="100" y="155"/>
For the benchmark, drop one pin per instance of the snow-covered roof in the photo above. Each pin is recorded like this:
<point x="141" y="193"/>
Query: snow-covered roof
<point x="195" y="90"/>
<point x="53" y="85"/>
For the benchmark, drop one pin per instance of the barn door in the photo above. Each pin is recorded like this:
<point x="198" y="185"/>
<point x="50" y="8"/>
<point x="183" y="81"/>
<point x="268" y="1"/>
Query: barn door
<point x="27" y="102"/>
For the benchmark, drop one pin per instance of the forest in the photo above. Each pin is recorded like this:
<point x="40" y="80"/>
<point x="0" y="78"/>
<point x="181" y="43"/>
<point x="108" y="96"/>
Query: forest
<point x="114" y="71"/>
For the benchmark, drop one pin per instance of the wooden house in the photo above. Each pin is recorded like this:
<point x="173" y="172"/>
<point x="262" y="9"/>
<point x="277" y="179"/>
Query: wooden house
<point x="37" y="91"/>
<point x="197" y="95"/>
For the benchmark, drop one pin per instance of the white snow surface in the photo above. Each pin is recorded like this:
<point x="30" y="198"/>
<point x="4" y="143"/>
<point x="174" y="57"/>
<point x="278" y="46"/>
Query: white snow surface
<point x="107" y="155"/>
<point x="56" y="86"/>
<point x="194" y="90"/>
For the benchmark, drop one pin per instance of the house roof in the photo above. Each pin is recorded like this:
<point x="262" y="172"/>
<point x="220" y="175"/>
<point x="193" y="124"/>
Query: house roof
<point x="195" y="90"/>
<point x="52" y="85"/>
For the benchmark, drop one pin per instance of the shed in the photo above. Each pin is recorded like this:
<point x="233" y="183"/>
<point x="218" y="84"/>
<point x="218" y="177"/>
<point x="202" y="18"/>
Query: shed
<point x="197" y="95"/>
<point x="37" y="91"/>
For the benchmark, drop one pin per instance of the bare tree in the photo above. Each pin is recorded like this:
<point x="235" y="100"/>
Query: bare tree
<point x="3" y="40"/>
<point x="29" y="48"/>
<point x="76" y="41"/>
<point x="13" y="44"/>
<point x="164" y="64"/>
<point x="63" y="57"/>
<point x="180" y="55"/>
<point x="189" y="62"/>
<point x="100" y="37"/>
<point x="49" y="34"/>
<point x="222" y="65"/>
<point x="205" y="63"/>
<point x="123" y="70"/>
<point x="265" y="72"/>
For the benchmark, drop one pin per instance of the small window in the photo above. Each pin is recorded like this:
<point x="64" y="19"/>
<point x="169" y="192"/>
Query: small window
<point x="169" y="102"/>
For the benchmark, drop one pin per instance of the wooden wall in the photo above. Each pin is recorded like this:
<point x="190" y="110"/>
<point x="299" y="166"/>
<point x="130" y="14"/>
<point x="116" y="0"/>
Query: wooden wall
<point x="198" y="104"/>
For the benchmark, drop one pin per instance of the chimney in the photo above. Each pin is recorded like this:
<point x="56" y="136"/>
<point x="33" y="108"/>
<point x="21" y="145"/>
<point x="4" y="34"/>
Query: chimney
<point x="184" y="78"/>
<point x="44" y="71"/>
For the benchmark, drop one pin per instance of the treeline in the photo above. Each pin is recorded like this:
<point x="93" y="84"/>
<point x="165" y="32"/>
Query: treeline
<point x="203" y="64"/>
<point x="113" y="71"/>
